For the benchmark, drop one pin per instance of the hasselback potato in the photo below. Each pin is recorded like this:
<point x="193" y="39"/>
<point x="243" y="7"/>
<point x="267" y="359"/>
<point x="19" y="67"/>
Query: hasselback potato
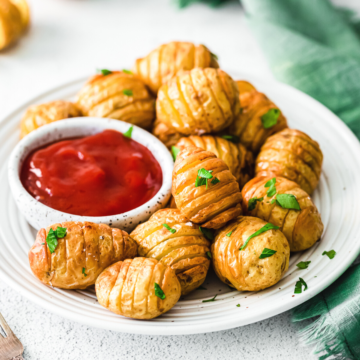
<point x="171" y="238"/>
<point x="167" y="135"/>
<point x="291" y="154"/>
<point x="161" y="64"/>
<point x="246" y="269"/>
<point x="80" y="254"/>
<point x="198" y="101"/>
<point x="204" y="189"/>
<point x="294" y="212"/>
<point x="39" y="115"/>
<point x="118" y="95"/>
<point x="140" y="288"/>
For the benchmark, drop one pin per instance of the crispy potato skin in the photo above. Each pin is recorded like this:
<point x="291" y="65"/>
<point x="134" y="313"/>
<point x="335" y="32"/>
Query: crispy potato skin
<point x="198" y="101"/>
<point x="184" y="251"/>
<point x="242" y="269"/>
<point x="86" y="245"/>
<point x="167" y="135"/>
<point x="291" y="154"/>
<point x="128" y="288"/>
<point x="161" y="64"/>
<point x="239" y="160"/>
<point x="302" y="228"/>
<point x="39" y="115"/>
<point x="247" y="125"/>
<point x="211" y="207"/>
<point x="103" y="96"/>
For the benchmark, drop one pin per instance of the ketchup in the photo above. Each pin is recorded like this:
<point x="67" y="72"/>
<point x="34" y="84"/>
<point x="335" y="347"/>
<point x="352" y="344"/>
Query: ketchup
<point x="98" y="175"/>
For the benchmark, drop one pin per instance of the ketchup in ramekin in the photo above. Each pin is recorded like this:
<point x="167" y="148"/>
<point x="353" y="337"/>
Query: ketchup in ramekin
<point x="99" y="175"/>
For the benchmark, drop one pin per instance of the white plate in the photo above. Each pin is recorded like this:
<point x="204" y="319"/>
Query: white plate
<point x="337" y="198"/>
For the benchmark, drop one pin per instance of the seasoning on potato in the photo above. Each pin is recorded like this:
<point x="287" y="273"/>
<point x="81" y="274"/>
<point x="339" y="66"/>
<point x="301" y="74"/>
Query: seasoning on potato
<point x="204" y="189"/>
<point x="43" y="114"/>
<point x="291" y="154"/>
<point x="71" y="255"/>
<point x="198" y="101"/>
<point x="118" y="95"/>
<point x="171" y="238"/>
<point x="259" y="118"/>
<point x="250" y="254"/>
<point x="290" y="208"/>
<point x="161" y="64"/>
<point x="140" y="288"/>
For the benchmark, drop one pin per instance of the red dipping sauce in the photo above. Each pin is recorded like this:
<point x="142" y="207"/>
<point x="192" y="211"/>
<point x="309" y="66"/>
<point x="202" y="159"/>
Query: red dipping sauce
<point x="98" y="175"/>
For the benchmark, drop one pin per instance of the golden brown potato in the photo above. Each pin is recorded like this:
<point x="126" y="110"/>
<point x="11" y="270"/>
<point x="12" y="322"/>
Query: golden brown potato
<point x="118" y="95"/>
<point x="24" y="10"/>
<point x="198" y="101"/>
<point x="213" y="204"/>
<point x="167" y="135"/>
<point x="249" y="126"/>
<point x="39" y="115"/>
<point x="128" y="288"/>
<point x="183" y="247"/>
<point x="239" y="160"/>
<point x="85" y="251"/>
<point x="302" y="227"/>
<point x="164" y="62"/>
<point x="243" y="269"/>
<point x="291" y="154"/>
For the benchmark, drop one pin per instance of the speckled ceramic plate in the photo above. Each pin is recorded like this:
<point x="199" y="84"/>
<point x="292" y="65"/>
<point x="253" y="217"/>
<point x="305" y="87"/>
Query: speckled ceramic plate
<point x="337" y="198"/>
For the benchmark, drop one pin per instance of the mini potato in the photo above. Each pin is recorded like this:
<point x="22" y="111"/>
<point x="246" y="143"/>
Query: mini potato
<point x="81" y="255"/>
<point x="167" y="135"/>
<point x="118" y="95"/>
<point x="198" y="101"/>
<point x="239" y="160"/>
<point x="249" y="126"/>
<point x="214" y="201"/>
<point x="140" y="288"/>
<point x="291" y="154"/>
<point x="164" y="62"/>
<point x="182" y="246"/>
<point x="39" y="115"/>
<point x="302" y="227"/>
<point x="243" y="269"/>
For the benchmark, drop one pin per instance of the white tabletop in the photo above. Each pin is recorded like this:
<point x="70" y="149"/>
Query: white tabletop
<point x="72" y="38"/>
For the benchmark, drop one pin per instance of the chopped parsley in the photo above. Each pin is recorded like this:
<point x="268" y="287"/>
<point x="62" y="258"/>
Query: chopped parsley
<point x="214" y="181"/>
<point x="298" y="286"/>
<point x="175" y="151"/>
<point x="208" y="233"/>
<point x="208" y="254"/>
<point x="202" y="177"/>
<point x="105" y="72"/>
<point x="83" y="271"/>
<point x="252" y="203"/>
<point x="271" y="185"/>
<point x="270" y="118"/>
<point x="287" y="201"/>
<point x="233" y="138"/>
<point x="166" y="226"/>
<point x="128" y="133"/>
<point x="212" y="299"/>
<point x="214" y="56"/>
<point x="238" y="305"/>
<point x="330" y="254"/>
<point x="303" y="264"/>
<point x="266" y="227"/>
<point x="127" y="92"/>
<point x="267" y="253"/>
<point x="53" y="236"/>
<point x="158" y="291"/>
<point x="229" y="234"/>
<point x="127" y="72"/>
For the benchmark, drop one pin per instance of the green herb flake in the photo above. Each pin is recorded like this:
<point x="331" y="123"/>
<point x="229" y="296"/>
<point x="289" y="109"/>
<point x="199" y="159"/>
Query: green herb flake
<point x="60" y="232"/>
<point x="252" y="203"/>
<point x="229" y="234"/>
<point x="303" y="265"/>
<point x="201" y="288"/>
<point x="166" y="226"/>
<point x="105" y="72"/>
<point x="233" y="138"/>
<point x="215" y="181"/>
<point x="53" y="236"/>
<point x="271" y="185"/>
<point x="298" y="286"/>
<point x="208" y="254"/>
<point x="208" y="233"/>
<point x="127" y="92"/>
<point x="214" y="56"/>
<point x="212" y="299"/>
<point x="202" y="177"/>
<point x="330" y="254"/>
<point x="127" y="71"/>
<point x="83" y="271"/>
<point x="287" y="201"/>
<point x="270" y="118"/>
<point x="128" y="133"/>
<point x="238" y="305"/>
<point x="267" y="253"/>
<point x="272" y="201"/>
<point x="158" y="291"/>
<point x="175" y="151"/>
<point x="42" y="243"/>
<point x="266" y="227"/>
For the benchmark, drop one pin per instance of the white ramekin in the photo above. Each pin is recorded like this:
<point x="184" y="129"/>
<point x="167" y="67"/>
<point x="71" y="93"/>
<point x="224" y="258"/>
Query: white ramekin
<point x="41" y="216"/>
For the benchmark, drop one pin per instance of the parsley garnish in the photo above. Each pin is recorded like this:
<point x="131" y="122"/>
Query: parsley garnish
<point x="272" y="201"/>
<point x="214" y="56"/>
<point x="207" y="233"/>
<point x="287" y="201"/>
<point x="253" y="201"/>
<point x="266" y="227"/>
<point x="201" y="288"/>
<point x="202" y="177"/>
<point x="208" y="254"/>
<point x="174" y="152"/>
<point x="212" y="299"/>
<point x="127" y="72"/>
<point x="229" y="234"/>
<point x="298" y="286"/>
<point x="166" y="226"/>
<point x="238" y="305"/>
<point x="83" y="271"/>
<point x="105" y="72"/>
<point x="270" y="118"/>
<point x="214" y="181"/>
<point x="233" y="138"/>
<point x="267" y="253"/>
<point x="330" y="254"/>
<point x="158" y="291"/>
<point x="127" y="92"/>
<point x="271" y="185"/>
<point x="53" y="236"/>
<point x="128" y="133"/>
<point x="303" y="264"/>
<point x="42" y="243"/>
